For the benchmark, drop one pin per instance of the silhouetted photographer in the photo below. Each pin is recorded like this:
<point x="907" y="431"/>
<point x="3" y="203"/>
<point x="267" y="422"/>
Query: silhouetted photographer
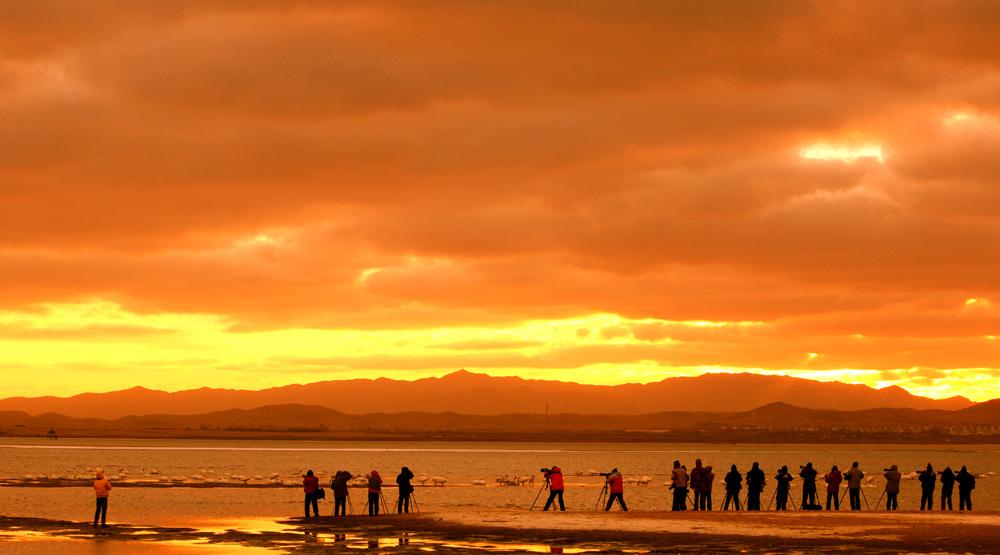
<point x="808" y="475"/>
<point x="966" y="483"/>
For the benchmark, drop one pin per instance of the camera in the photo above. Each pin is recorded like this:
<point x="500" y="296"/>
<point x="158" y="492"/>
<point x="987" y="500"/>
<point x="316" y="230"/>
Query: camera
<point x="606" y="474"/>
<point x="546" y="470"/>
<point x="886" y="469"/>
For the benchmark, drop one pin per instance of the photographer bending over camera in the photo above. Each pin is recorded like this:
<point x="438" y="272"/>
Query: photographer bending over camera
<point x="555" y="478"/>
<point x="892" y="477"/>
<point x="617" y="489"/>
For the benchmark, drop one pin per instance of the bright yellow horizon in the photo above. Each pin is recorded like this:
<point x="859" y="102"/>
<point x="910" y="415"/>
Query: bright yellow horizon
<point x="170" y="351"/>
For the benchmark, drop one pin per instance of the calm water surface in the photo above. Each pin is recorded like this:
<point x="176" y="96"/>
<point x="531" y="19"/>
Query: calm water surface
<point x="459" y="463"/>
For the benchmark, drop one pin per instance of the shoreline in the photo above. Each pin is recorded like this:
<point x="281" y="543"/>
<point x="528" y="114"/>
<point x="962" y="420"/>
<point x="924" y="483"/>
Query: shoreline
<point x="677" y="437"/>
<point x="484" y="530"/>
<point x="550" y="437"/>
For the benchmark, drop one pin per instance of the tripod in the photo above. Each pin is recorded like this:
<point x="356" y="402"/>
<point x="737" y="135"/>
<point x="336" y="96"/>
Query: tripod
<point x="602" y="497"/>
<point x="879" y="501"/>
<point x="808" y="496"/>
<point x="385" y="507"/>
<point x="545" y="486"/>
<point x="347" y="504"/>
<point x="412" y="498"/>
<point x="735" y="498"/>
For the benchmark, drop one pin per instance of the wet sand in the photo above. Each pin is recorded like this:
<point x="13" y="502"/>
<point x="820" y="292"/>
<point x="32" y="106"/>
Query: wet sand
<point x="493" y="530"/>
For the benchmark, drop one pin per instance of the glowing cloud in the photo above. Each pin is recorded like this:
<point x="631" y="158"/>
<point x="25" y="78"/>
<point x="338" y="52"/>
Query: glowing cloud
<point x="844" y="153"/>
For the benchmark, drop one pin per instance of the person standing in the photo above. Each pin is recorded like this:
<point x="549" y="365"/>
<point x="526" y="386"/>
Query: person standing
<point x="966" y="483"/>
<point x="698" y="484"/>
<point x="755" y="485"/>
<point x="927" y="481"/>
<point x="339" y="487"/>
<point x="947" y="486"/>
<point x="734" y="483"/>
<point x="833" y="480"/>
<point x="617" y="487"/>
<point x="556" y="487"/>
<point x="892" y="477"/>
<point x="784" y="480"/>
<point x="679" y="484"/>
<point x="853" y="477"/>
<point x="709" y="482"/>
<point x="374" y="492"/>
<point x="405" y="490"/>
<point x="808" y="475"/>
<point x="310" y="484"/>
<point x="102" y="487"/>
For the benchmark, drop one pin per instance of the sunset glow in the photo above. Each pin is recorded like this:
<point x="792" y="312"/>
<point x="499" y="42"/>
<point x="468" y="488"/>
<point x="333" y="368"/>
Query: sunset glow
<point x="843" y="153"/>
<point x="251" y="195"/>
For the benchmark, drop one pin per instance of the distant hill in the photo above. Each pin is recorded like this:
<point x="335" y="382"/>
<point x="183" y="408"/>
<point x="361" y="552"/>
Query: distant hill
<point x="775" y="421"/>
<point x="479" y="394"/>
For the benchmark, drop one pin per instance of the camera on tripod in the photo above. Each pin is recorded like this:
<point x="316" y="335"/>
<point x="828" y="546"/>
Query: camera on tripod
<point x="546" y="470"/>
<point x="606" y="474"/>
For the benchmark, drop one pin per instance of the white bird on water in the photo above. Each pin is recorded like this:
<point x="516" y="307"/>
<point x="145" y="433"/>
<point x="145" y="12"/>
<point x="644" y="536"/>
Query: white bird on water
<point x="438" y="480"/>
<point x="479" y="482"/>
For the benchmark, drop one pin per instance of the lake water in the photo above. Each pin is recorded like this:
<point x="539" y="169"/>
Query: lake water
<point x="459" y="463"/>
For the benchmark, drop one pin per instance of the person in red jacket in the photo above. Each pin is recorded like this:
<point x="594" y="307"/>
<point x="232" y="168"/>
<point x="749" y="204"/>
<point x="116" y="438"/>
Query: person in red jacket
<point x="616" y="485"/>
<point x="374" y="492"/>
<point x="833" y="480"/>
<point x="555" y="478"/>
<point x="310" y="483"/>
<point x="102" y="487"/>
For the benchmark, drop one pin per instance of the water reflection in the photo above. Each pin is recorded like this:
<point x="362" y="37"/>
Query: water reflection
<point x="430" y="544"/>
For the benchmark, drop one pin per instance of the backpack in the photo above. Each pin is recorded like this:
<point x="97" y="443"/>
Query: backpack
<point x="320" y="493"/>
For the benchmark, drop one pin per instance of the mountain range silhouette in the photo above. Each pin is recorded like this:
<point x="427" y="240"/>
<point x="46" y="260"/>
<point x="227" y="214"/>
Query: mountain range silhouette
<point x="470" y="393"/>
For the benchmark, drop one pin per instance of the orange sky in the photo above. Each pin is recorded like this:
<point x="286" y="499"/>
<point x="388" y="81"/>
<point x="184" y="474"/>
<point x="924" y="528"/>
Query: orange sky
<point x="249" y="194"/>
